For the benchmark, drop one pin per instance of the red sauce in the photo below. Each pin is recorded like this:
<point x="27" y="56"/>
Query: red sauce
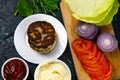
<point x="14" y="70"/>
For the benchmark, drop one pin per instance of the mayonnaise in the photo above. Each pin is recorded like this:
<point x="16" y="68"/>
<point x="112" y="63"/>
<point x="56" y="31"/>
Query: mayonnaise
<point x="52" y="71"/>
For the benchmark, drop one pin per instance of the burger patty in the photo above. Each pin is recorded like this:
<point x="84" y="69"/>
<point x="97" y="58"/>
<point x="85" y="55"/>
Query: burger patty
<point x="41" y="36"/>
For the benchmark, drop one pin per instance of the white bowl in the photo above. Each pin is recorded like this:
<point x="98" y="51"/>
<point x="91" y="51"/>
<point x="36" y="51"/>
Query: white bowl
<point x="21" y="41"/>
<point x="14" y="58"/>
<point x="54" y="68"/>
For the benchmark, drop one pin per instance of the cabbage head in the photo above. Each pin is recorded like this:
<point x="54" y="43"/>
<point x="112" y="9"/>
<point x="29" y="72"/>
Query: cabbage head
<point x="99" y="12"/>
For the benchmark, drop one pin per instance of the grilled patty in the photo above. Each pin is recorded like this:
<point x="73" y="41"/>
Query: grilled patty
<point x="41" y="36"/>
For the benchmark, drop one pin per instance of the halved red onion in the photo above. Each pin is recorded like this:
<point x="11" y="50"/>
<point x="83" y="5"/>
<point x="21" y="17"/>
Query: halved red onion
<point x="86" y="30"/>
<point x="107" y="42"/>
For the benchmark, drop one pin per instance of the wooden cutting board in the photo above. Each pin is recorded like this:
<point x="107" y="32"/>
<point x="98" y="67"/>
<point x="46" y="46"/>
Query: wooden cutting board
<point x="70" y="24"/>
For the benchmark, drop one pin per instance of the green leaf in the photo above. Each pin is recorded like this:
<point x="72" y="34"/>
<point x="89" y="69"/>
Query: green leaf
<point x="51" y="4"/>
<point x="24" y="8"/>
<point x="108" y="19"/>
<point x="99" y="12"/>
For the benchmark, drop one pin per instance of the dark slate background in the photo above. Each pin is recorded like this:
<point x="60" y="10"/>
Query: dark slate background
<point x="8" y="24"/>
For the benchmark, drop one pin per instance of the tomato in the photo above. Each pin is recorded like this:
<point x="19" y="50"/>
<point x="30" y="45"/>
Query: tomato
<point x="96" y="74"/>
<point x="79" y="45"/>
<point x="87" y="62"/>
<point x="93" y="52"/>
<point x="90" y="54"/>
<point x="98" y="56"/>
<point x="101" y="60"/>
<point x="92" y="59"/>
<point x="91" y="68"/>
<point x="106" y="67"/>
<point x="109" y="74"/>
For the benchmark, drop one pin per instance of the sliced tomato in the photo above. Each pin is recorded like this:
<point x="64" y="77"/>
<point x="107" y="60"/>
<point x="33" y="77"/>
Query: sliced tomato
<point x="89" y="55"/>
<point x="93" y="52"/>
<point x="109" y="74"/>
<point x="93" y="78"/>
<point x="104" y="63"/>
<point x="79" y="45"/>
<point x="105" y="67"/>
<point x="98" y="56"/>
<point x="92" y="68"/>
<point x="92" y="63"/>
<point x="95" y="74"/>
<point x="101" y="60"/>
<point x="89" y="59"/>
<point x="88" y="63"/>
<point x="92" y="59"/>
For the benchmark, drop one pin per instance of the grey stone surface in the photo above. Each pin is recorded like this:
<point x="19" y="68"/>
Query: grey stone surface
<point x="8" y="24"/>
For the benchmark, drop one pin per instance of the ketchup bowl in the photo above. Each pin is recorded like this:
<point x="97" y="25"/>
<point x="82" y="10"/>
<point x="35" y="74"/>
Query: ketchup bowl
<point x="15" y="69"/>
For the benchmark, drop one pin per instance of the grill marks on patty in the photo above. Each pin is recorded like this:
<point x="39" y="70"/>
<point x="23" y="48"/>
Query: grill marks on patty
<point x="41" y="35"/>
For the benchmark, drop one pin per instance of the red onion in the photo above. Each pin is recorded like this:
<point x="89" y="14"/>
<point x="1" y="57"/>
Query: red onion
<point x="107" y="42"/>
<point x="86" y="30"/>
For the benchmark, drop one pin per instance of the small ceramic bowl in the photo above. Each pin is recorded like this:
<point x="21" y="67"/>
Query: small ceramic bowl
<point x="54" y="69"/>
<point x="14" y="67"/>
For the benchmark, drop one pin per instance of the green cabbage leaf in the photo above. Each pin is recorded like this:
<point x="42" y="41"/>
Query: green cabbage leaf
<point x="99" y="12"/>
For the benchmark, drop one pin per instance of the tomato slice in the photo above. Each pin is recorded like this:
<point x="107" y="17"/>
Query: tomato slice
<point x="93" y="52"/>
<point x="89" y="57"/>
<point x="101" y="60"/>
<point x="106" y="67"/>
<point x="98" y="56"/>
<point x="95" y="74"/>
<point x="104" y="63"/>
<point x="89" y="63"/>
<point x="109" y="74"/>
<point x="80" y="45"/>
<point x="92" y="68"/>
<point x="90" y="54"/>
<point x="92" y="59"/>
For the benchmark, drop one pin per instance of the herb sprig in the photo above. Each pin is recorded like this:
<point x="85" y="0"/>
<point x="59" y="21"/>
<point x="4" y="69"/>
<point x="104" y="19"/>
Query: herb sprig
<point x="24" y="8"/>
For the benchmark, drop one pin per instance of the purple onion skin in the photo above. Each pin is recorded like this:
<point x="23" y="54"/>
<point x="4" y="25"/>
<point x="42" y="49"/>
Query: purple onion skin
<point x="87" y="30"/>
<point x="107" y="42"/>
